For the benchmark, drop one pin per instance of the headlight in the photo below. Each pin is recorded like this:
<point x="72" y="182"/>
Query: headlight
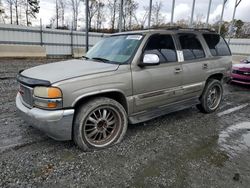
<point x="48" y="92"/>
<point x="48" y="97"/>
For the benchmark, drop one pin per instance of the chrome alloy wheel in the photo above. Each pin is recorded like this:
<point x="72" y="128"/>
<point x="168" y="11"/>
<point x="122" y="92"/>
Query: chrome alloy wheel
<point x="214" y="97"/>
<point x="102" y="126"/>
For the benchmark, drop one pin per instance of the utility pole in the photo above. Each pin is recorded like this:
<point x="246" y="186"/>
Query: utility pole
<point x="149" y="14"/>
<point x="172" y="13"/>
<point x="120" y="15"/>
<point x="87" y="25"/>
<point x="237" y="2"/>
<point x="221" y="16"/>
<point x="57" y="14"/>
<point x="41" y="31"/>
<point x="192" y="15"/>
<point x="208" y="12"/>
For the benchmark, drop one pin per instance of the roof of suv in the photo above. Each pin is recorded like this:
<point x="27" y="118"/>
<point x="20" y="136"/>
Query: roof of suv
<point x="167" y="30"/>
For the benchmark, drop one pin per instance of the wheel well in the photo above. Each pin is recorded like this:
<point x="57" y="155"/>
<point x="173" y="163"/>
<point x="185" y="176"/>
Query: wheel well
<point x="217" y="76"/>
<point x="115" y="95"/>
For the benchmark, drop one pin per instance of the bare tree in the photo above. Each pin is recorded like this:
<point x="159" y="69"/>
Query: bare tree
<point x="141" y="19"/>
<point x="57" y="14"/>
<point x="16" y="2"/>
<point x="20" y="9"/>
<point x="157" y="17"/>
<point x="2" y="12"/>
<point x="112" y="5"/>
<point x="93" y="8"/>
<point x="31" y="9"/>
<point x="100" y="14"/>
<point x="199" y="20"/>
<point x="62" y="6"/>
<point x="10" y="5"/>
<point x="130" y="6"/>
<point x="75" y="11"/>
<point x="183" y="23"/>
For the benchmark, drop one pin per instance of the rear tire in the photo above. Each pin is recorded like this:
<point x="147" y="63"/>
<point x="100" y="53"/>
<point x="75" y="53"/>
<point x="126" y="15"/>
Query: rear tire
<point x="99" y="123"/>
<point x="211" y="96"/>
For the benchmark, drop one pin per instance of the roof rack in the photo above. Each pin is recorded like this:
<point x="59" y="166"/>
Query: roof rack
<point x="200" y="29"/>
<point x="194" y="29"/>
<point x="185" y="28"/>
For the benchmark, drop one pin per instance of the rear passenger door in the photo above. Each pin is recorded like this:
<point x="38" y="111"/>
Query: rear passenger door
<point x="194" y="64"/>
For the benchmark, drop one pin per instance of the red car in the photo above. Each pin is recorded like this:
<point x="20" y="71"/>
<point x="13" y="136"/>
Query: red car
<point x="241" y="72"/>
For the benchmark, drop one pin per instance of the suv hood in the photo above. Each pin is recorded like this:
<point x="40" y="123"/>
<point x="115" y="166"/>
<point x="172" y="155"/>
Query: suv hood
<point x="54" y="72"/>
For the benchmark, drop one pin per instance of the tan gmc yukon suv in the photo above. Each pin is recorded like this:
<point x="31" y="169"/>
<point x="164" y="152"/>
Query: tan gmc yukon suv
<point x="127" y="77"/>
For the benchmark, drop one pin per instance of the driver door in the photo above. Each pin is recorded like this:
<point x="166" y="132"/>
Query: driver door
<point x="155" y="86"/>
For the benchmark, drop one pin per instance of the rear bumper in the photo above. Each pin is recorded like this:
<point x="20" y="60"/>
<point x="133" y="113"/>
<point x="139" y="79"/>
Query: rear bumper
<point x="56" y="124"/>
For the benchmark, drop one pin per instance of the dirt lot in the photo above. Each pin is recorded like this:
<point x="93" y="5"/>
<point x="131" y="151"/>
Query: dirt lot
<point x="182" y="149"/>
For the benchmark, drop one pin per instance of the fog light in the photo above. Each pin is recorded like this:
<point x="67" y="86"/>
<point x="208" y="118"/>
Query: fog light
<point x="47" y="104"/>
<point x="52" y="105"/>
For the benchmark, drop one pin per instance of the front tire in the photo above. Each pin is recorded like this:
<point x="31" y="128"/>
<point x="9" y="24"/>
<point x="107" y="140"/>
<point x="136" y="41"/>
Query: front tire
<point x="99" y="123"/>
<point x="211" y="96"/>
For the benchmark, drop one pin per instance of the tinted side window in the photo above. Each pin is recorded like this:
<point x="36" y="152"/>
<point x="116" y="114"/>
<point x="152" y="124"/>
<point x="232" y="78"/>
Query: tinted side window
<point x="191" y="47"/>
<point x="217" y="45"/>
<point x="163" y="46"/>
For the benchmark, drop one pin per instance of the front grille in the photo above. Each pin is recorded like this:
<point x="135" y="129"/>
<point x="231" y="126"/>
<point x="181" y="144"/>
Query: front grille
<point x="26" y="93"/>
<point x="241" y="72"/>
<point x="241" y="80"/>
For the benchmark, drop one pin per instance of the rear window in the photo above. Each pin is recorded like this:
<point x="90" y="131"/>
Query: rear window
<point x="191" y="47"/>
<point x="217" y="45"/>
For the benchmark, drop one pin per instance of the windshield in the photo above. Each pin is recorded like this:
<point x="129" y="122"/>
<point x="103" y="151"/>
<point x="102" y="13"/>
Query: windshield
<point x="115" y="49"/>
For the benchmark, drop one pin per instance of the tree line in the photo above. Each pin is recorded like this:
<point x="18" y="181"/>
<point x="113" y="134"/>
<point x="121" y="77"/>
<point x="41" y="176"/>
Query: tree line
<point x="104" y="15"/>
<point x="19" y="11"/>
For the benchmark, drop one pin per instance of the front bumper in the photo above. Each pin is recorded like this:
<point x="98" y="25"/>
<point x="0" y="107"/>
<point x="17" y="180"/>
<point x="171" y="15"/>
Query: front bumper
<point x="56" y="124"/>
<point x="241" y="79"/>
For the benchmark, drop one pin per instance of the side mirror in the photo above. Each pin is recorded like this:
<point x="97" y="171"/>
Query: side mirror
<point x="150" y="60"/>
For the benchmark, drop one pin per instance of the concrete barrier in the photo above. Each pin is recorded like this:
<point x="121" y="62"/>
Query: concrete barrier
<point x="78" y="52"/>
<point x="7" y="50"/>
<point x="238" y="58"/>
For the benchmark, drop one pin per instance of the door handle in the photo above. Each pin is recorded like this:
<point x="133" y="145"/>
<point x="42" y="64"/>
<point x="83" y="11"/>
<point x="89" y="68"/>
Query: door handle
<point x="177" y="70"/>
<point x="205" y="66"/>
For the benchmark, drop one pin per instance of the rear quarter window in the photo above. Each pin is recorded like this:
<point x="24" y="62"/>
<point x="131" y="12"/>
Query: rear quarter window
<point x="217" y="45"/>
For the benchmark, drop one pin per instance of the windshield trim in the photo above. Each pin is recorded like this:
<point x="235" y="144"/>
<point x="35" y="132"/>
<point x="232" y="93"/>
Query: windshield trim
<point x="136" y="49"/>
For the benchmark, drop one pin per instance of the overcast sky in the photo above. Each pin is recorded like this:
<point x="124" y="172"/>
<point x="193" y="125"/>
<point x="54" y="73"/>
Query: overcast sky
<point x="182" y="9"/>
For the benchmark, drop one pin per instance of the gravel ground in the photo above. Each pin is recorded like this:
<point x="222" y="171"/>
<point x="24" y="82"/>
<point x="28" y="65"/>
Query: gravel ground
<point x="182" y="149"/>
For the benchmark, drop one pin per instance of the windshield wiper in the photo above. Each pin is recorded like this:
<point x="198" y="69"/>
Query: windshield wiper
<point x="101" y="59"/>
<point x="85" y="57"/>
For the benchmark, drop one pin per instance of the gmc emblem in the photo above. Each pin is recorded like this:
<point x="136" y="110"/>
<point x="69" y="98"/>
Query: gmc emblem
<point x="20" y="90"/>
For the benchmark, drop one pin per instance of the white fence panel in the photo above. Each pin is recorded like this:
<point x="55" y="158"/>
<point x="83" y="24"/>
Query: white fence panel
<point x="240" y="46"/>
<point x="56" y="42"/>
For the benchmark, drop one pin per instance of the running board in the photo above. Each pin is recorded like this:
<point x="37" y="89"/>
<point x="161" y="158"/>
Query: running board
<point x="163" y="110"/>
